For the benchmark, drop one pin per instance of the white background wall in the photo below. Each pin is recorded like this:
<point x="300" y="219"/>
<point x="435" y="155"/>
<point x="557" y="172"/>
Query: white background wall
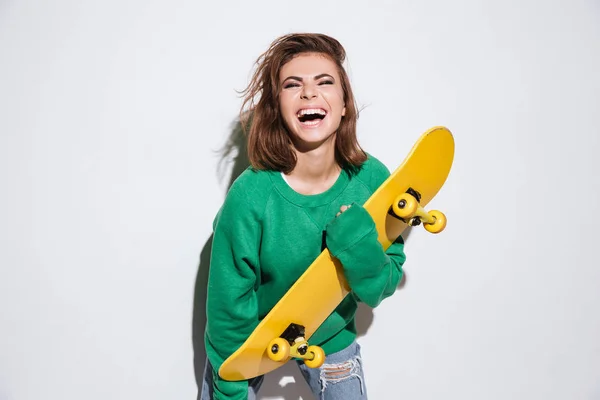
<point x="111" y="114"/>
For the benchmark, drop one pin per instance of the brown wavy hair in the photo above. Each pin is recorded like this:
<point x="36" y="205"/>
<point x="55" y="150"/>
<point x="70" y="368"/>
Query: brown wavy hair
<point x="269" y="144"/>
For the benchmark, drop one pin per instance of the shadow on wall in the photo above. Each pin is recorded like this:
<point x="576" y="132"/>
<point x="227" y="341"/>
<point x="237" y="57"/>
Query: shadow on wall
<point x="285" y="382"/>
<point x="234" y="152"/>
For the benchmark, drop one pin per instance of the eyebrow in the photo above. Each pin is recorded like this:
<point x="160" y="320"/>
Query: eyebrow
<point x="317" y="77"/>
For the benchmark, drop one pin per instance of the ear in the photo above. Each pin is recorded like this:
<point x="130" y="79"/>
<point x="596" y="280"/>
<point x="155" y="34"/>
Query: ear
<point x="344" y="111"/>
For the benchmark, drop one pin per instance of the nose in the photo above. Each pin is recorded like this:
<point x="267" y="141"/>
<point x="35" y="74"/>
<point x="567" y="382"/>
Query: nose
<point x="308" y="92"/>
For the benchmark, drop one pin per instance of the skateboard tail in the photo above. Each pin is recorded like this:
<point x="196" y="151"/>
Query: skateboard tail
<point x="329" y="288"/>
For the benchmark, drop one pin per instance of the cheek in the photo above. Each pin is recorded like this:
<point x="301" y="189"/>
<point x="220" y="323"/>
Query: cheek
<point x="284" y="105"/>
<point x="335" y="99"/>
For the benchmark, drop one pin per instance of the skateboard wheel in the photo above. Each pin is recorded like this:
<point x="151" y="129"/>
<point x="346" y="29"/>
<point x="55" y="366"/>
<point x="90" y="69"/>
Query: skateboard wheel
<point x="318" y="357"/>
<point x="405" y="206"/>
<point x="439" y="224"/>
<point x="278" y="350"/>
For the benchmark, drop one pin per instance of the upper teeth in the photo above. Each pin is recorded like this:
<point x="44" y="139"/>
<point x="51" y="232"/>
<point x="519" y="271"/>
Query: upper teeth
<point x="312" y="111"/>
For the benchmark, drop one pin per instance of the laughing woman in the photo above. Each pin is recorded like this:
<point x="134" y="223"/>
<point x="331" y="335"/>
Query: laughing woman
<point x="307" y="181"/>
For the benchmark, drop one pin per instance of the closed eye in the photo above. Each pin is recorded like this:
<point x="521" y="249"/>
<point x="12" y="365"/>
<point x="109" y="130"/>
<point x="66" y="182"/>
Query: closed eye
<point x="291" y="85"/>
<point x="326" y="82"/>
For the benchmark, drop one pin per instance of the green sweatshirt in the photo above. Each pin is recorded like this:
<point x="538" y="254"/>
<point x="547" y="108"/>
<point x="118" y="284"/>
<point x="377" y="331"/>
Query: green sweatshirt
<point x="266" y="235"/>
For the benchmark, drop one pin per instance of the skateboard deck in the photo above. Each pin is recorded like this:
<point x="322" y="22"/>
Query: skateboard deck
<point x="285" y="331"/>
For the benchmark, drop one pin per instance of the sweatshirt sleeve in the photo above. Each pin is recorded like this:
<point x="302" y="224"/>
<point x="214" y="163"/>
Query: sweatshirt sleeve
<point x="231" y="304"/>
<point x="372" y="273"/>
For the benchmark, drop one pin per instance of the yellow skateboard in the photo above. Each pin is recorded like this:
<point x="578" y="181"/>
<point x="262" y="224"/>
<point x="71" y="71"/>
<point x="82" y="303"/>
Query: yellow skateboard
<point x="397" y="203"/>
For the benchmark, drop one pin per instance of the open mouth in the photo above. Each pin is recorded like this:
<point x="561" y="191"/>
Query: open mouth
<point x="311" y="116"/>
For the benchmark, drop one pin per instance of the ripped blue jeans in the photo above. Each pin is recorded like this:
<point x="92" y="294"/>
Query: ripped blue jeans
<point x="340" y="377"/>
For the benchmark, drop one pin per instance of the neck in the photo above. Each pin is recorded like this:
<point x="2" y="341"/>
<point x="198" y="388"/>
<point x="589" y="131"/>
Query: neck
<point x="316" y="170"/>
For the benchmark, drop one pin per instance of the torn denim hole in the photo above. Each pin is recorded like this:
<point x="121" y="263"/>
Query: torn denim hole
<point x="334" y="373"/>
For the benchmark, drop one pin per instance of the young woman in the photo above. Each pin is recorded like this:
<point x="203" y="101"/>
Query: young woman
<point x="304" y="189"/>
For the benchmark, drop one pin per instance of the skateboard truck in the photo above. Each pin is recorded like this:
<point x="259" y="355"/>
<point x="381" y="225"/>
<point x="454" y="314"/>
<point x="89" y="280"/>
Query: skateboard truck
<point x="292" y="343"/>
<point x="407" y="208"/>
